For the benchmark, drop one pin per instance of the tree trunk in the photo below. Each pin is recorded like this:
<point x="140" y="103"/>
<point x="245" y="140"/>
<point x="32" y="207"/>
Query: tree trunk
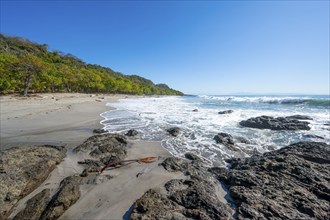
<point x="27" y="84"/>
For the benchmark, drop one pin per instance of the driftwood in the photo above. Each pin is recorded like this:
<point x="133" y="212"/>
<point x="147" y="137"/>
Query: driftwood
<point x="121" y="163"/>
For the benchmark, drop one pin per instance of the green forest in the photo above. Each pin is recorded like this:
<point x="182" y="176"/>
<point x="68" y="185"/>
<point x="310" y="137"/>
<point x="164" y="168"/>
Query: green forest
<point x="28" y="67"/>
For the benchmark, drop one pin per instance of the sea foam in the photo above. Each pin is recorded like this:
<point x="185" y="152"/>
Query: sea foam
<point x="152" y="116"/>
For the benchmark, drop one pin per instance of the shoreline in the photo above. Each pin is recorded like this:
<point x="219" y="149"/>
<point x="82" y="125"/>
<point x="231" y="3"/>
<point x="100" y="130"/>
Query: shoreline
<point x="58" y="119"/>
<point x="169" y="187"/>
<point x="68" y="120"/>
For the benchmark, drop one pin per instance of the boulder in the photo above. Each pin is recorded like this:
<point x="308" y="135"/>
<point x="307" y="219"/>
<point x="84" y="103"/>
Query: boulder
<point x="224" y="138"/>
<point x="299" y="117"/>
<point x="313" y="136"/>
<point x="290" y="183"/>
<point x="35" y="206"/>
<point x="132" y="133"/>
<point x="175" y="131"/>
<point x="23" y="170"/>
<point x="66" y="196"/>
<point x="280" y="123"/>
<point x="194" y="197"/>
<point x="225" y="112"/>
<point x="90" y="166"/>
<point x="195" y="110"/>
<point x="99" y="131"/>
<point x="105" y="147"/>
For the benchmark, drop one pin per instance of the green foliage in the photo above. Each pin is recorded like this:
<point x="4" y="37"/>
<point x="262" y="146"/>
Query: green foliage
<point x="25" y="65"/>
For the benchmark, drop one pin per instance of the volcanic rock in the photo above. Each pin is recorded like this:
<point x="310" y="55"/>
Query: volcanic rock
<point x="224" y="138"/>
<point x="290" y="183"/>
<point x="67" y="195"/>
<point x="280" y="123"/>
<point x="132" y="133"/>
<point x="225" y="112"/>
<point x="175" y="131"/>
<point x="105" y="147"/>
<point x="23" y="170"/>
<point x="191" y="198"/>
<point x="99" y="131"/>
<point x="35" y="206"/>
<point x="299" y="117"/>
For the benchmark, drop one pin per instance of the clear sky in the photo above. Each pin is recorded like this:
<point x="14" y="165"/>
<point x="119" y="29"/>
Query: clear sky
<point x="198" y="47"/>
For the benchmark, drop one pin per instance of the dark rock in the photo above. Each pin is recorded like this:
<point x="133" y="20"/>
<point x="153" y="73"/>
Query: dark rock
<point x="299" y="117"/>
<point x="67" y="195"/>
<point x="313" y="136"/>
<point x="35" y="206"/>
<point x="280" y="123"/>
<point x="132" y="133"/>
<point x="290" y="183"/>
<point x="192" y="198"/>
<point x="198" y="194"/>
<point x="173" y="164"/>
<point x="153" y="205"/>
<point x="175" y="131"/>
<point x="191" y="156"/>
<point x="99" y="131"/>
<point x="224" y="138"/>
<point x="195" y="110"/>
<point x="243" y="140"/>
<point x="105" y="147"/>
<point x="225" y="112"/>
<point x="91" y="163"/>
<point x="23" y="170"/>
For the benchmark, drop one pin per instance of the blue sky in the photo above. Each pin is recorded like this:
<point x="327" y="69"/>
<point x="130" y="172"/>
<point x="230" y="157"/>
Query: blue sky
<point x="198" y="47"/>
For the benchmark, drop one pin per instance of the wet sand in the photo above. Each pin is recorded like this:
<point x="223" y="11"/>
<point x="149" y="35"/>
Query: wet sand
<point x="68" y="119"/>
<point x="59" y="119"/>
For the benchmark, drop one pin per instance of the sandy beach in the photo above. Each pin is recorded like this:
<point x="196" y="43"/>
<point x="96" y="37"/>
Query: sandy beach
<point x="51" y="118"/>
<point x="66" y="180"/>
<point x="68" y="119"/>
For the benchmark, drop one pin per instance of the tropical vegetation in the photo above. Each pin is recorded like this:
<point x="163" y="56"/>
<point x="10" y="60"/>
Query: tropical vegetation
<point x="26" y="66"/>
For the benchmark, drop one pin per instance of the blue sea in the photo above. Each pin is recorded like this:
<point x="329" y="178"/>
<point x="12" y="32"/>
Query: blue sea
<point x="151" y="116"/>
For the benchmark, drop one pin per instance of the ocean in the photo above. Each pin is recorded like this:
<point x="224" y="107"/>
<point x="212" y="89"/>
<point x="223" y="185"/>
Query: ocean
<point x="151" y="116"/>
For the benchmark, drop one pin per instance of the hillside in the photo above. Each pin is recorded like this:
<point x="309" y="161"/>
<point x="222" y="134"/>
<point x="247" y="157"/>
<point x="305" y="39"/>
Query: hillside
<point x="26" y="66"/>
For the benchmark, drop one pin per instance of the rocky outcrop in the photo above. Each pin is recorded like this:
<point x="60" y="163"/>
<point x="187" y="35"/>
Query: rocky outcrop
<point x="230" y="142"/>
<point x="224" y="138"/>
<point x="175" y="131"/>
<point x="313" y="136"/>
<point x="299" y="117"/>
<point x="66" y="196"/>
<point x="90" y="166"/>
<point x="35" y="206"/>
<point x="105" y="147"/>
<point x="280" y="123"/>
<point x="42" y="206"/>
<point x="23" y="170"/>
<point x="290" y="183"/>
<point x="191" y="198"/>
<point x="132" y="133"/>
<point x="225" y="112"/>
<point x="99" y="131"/>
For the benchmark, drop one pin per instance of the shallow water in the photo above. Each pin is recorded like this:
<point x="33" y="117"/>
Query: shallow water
<point x="152" y="116"/>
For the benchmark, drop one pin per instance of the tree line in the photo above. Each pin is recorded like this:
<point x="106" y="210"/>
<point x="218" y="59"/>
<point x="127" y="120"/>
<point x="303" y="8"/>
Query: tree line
<point x="26" y="66"/>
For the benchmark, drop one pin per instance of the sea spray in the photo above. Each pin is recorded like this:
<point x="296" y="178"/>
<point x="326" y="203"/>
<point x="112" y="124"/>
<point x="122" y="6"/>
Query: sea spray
<point x="152" y="116"/>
